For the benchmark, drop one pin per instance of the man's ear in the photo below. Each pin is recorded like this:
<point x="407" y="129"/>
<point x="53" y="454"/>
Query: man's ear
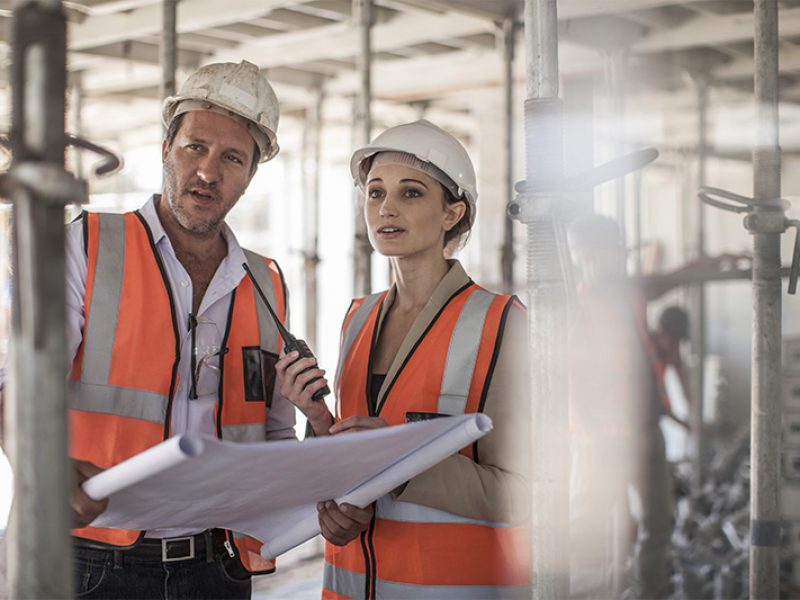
<point x="455" y="212"/>
<point x="164" y="150"/>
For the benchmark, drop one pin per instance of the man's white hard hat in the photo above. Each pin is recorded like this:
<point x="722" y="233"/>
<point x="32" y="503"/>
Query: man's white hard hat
<point x="239" y="90"/>
<point x="430" y="144"/>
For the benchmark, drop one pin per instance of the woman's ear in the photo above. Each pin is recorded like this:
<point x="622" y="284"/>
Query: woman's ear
<point x="454" y="213"/>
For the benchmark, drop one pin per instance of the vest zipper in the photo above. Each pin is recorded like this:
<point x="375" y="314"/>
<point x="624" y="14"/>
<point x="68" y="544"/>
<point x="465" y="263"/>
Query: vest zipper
<point x="229" y="548"/>
<point x="223" y="352"/>
<point x="370" y="570"/>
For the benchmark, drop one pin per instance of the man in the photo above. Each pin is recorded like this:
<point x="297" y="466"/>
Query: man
<point x="615" y="405"/>
<point x="166" y="336"/>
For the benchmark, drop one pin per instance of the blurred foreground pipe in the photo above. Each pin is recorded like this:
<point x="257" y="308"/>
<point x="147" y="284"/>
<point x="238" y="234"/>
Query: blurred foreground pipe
<point x="38" y="542"/>
<point x="547" y="303"/>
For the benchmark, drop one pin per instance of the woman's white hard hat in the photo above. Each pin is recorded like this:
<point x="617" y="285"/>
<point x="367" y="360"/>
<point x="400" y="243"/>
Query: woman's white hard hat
<point x="240" y="90"/>
<point x="428" y="143"/>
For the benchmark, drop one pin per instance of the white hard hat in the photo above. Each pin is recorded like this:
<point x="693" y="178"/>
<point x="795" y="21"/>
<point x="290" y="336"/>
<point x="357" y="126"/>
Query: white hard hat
<point x="430" y="144"/>
<point x="242" y="90"/>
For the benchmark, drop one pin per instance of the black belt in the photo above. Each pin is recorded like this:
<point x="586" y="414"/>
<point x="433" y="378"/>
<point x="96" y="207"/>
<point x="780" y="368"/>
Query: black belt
<point x="206" y="544"/>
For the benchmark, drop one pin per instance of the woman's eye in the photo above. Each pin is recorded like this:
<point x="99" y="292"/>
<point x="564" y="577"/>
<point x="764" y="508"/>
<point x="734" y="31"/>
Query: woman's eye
<point x="375" y="193"/>
<point x="412" y="193"/>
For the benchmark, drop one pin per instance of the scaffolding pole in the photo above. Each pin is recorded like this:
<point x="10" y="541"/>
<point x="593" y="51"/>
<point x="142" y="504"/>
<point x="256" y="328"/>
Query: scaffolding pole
<point x="507" y="253"/>
<point x="39" y="548"/>
<point x="767" y="223"/>
<point x="362" y="251"/>
<point x="312" y="143"/>
<point x="547" y="301"/>
<point x="697" y="295"/>
<point x="168" y="50"/>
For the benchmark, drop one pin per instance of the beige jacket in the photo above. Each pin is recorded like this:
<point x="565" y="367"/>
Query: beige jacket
<point x="495" y="488"/>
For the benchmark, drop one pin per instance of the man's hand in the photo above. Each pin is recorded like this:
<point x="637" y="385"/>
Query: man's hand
<point x="340" y="524"/>
<point x="359" y="423"/>
<point x="84" y="509"/>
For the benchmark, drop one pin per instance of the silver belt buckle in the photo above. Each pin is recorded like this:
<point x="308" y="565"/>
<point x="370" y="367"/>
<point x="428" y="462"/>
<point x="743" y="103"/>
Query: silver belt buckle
<point x="165" y="554"/>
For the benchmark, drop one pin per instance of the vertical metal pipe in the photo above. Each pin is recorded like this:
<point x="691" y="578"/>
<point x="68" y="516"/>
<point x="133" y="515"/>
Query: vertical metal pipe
<point x="507" y="254"/>
<point x="362" y="251"/>
<point x="39" y="548"/>
<point x="697" y="295"/>
<point x="766" y="382"/>
<point x="77" y="122"/>
<point x="168" y="50"/>
<point x="547" y="300"/>
<point x="312" y="143"/>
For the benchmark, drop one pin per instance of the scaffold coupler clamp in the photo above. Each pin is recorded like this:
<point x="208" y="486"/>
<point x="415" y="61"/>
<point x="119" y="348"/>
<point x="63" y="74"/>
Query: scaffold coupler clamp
<point x="48" y="182"/>
<point x="770" y="218"/>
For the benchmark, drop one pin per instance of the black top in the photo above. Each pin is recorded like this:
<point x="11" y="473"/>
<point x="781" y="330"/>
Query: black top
<point x="375" y="383"/>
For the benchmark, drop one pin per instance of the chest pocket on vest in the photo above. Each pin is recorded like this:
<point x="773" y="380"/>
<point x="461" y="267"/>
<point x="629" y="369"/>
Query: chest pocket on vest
<point x="259" y="374"/>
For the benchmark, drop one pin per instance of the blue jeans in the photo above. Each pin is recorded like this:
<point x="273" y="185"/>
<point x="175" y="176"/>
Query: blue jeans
<point x="124" y="575"/>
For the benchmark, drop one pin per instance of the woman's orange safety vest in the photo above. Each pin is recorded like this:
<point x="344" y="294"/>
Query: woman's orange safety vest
<point x="124" y="374"/>
<point x="411" y="550"/>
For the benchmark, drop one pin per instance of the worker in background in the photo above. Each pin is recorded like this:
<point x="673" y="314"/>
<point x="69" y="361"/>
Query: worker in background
<point x="165" y="337"/>
<point x="616" y="444"/>
<point x="434" y="344"/>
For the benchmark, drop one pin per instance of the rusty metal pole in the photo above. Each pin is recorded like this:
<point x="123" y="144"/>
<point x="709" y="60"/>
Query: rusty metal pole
<point x="362" y="251"/>
<point x="547" y="297"/>
<point x="507" y="254"/>
<point x="39" y="548"/>
<point x="766" y="377"/>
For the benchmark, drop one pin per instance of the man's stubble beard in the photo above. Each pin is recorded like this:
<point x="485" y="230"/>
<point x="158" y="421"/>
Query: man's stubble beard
<point x="173" y="194"/>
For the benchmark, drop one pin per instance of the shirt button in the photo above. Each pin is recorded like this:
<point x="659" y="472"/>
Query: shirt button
<point x="184" y="283"/>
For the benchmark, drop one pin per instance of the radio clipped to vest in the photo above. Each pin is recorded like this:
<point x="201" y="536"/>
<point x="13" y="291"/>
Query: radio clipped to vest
<point x="290" y="343"/>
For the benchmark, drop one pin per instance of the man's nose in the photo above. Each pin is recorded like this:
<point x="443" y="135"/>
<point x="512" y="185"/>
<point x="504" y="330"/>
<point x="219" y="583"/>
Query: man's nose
<point x="209" y="169"/>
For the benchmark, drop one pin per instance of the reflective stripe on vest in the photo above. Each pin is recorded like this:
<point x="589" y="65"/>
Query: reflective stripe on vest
<point x="111" y="418"/>
<point x="413" y="550"/>
<point x="462" y="354"/>
<point x="352" y="585"/>
<point x="356" y="322"/>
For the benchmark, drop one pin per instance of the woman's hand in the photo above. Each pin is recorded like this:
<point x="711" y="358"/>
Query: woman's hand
<point x="291" y="381"/>
<point x="352" y="424"/>
<point x="342" y="523"/>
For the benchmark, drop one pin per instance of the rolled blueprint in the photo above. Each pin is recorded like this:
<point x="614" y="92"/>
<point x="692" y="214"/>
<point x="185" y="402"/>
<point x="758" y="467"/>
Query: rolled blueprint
<point x="464" y="432"/>
<point x="140" y="467"/>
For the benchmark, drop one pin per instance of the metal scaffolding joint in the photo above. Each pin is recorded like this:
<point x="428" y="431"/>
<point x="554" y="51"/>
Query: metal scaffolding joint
<point x="47" y="182"/>
<point x="768" y="221"/>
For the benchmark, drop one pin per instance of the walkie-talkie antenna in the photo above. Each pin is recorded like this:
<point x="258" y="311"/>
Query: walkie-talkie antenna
<point x="281" y="329"/>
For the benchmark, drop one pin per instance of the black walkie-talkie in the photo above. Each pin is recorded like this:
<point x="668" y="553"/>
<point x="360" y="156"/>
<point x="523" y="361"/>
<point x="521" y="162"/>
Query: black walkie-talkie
<point x="290" y="343"/>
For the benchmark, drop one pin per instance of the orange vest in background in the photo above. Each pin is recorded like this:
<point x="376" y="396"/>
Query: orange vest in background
<point x="411" y="550"/>
<point x="124" y="374"/>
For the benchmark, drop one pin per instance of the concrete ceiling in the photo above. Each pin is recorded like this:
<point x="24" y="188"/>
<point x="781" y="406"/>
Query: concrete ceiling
<point x="429" y="54"/>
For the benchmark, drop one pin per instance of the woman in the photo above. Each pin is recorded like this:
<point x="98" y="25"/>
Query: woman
<point x="434" y="344"/>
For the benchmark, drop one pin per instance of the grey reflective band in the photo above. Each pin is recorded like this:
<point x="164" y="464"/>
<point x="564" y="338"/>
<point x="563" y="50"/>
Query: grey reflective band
<point x="408" y="512"/>
<point x="351" y="585"/>
<point x="254" y="432"/>
<point x="119" y="401"/>
<point x="343" y="582"/>
<point x="462" y="353"/>
<point x="267" y="331"/>
<point x="355" y="325"/>
<point x="101" y="326"/>
<point x="410" y="591"/>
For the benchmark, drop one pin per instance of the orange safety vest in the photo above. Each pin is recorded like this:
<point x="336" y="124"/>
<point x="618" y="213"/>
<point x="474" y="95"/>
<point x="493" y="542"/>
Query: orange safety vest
<point x="411" y="550"/>
<point x="124" y="374"/>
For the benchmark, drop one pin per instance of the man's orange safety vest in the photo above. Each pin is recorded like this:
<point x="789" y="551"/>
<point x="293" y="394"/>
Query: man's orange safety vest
<point x="124" y="374"/>
<point x="411" y="550"/>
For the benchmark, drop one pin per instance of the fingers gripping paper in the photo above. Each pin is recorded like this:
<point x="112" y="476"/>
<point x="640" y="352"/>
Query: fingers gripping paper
<point x="269" y="490"/>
